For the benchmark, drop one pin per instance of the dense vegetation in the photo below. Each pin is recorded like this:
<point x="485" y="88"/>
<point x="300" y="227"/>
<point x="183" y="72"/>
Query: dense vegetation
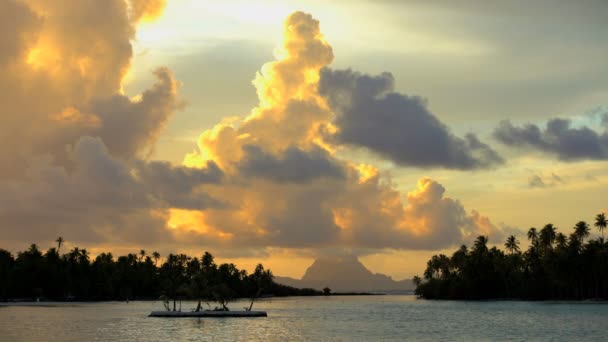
<point x="73" y="276"/>
<point x="554" y="266"/>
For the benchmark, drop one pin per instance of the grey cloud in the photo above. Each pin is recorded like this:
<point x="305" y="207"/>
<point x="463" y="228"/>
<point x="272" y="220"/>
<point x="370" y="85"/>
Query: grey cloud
<point x="129" y="127"/>
<point x="292" y="165"/>
<point x="537" y="181"/>
<point x="179" y="186"/>
<point x="305" y="221"/>
<point x="15" y="17"/>
<point x="399" y="127"/>
<point x="100" y="199"/>
<point x="558" y="138"/>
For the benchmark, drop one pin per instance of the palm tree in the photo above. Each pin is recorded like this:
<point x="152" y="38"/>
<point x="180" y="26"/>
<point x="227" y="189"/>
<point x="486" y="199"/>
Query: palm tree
<point x="601" y="223"/>
<point x="74" y="254"/>
<point x="84" y="256"/>
<point x="575" y="242"/>
<point x="561" y="240"/>
<point x="417" y="281"/>
<point x="512" y="244"/>
<point x="581" y="230"/>
<point x="547" y="236"/>
<point x="155" y="256"/>
<point x="533" y="236"/>
<point x="60" y="242"/>
<point x="480" y="244"/>
<point x="432" y="267"/>
<point x="142" y="254"/>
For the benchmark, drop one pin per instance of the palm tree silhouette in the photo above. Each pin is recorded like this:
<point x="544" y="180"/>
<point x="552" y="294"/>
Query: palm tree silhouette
<point x="512" y="244"/>
<point x="142" y="255"/>
<point x="547" y="236"/>
<point x="417" y="281"/>
<point x="480" y="244"/>
<point x="60" y="242"/>
<point x="601" y="223"/>
<point x="581" y="230"/>
<point x="561" y="240"/>
<point x="533" y="236"/>
<point x="155" y="256"/>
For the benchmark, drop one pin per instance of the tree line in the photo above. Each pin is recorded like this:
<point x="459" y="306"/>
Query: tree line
<point x="554" y="266"/>
<point x="33" y="274"/>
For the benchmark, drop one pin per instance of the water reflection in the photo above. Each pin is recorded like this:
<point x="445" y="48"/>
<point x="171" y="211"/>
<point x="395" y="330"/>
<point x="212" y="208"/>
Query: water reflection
<point x="321" y="318"/>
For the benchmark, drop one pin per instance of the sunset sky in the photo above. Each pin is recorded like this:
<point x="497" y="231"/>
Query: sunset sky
<point x="279" y="131"/>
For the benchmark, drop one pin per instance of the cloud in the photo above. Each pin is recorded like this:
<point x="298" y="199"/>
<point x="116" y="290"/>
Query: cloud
<point x="62" y="79"/>
<point x="146" y="10"/>
<point x="76" y="149"/>
<point x="285" y="188"/>
<point x="292" y="165"/>
<point x="101" y="198"/>
<point x="558" y="138"/>
<point x="133" y="126"/>
<point x="537" y="181"/>
<point x="370" y="114"/>
<point x="73" y="145"/>
<point x="179" y="187"/>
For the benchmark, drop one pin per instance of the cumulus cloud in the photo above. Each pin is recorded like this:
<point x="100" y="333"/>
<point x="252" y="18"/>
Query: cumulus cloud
<point x="75" y="157"/>
<point x="286" y="188"/>
<point x="73" y="145"/>
<point x="101" y="198"/>
<point x="131" y="127"/>
<point x="558" y="138"/>
<point x="370" y="114"/>
<point x="292" y="165"/>
<point x="62" y="79"/>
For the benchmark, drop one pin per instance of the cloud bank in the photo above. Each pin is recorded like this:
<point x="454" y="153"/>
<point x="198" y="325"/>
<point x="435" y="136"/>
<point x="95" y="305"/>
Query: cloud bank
<point x="558" y="138"/>
<point x="370" y="114"/>
<point x="288" y="188"/>
<point x="75" y="147"/>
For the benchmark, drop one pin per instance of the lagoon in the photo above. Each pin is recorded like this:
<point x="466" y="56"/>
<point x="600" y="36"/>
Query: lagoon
<point x="340" y="318"/>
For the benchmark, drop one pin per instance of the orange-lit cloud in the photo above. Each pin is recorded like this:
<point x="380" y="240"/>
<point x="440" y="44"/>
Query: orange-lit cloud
<point x="146" y="10"/>
<point x="75" y="150"/>
<point x="286" y="188"/>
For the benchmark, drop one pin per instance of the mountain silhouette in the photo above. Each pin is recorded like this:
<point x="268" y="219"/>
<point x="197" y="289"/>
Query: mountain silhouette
<point x="345" y="274"/>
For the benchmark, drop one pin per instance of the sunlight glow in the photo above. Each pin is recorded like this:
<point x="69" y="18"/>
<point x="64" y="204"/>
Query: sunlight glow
<point x="194" y="221"/>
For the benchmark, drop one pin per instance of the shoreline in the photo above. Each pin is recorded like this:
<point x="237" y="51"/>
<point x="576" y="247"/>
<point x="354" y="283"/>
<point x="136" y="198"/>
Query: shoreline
<point x="77" y="302"/>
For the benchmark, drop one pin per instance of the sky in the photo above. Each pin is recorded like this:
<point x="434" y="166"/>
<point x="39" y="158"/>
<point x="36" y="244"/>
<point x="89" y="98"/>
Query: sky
<point x="280" y="131"/>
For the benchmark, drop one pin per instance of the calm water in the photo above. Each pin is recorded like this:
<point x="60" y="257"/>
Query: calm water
<point x="315" y="319"/>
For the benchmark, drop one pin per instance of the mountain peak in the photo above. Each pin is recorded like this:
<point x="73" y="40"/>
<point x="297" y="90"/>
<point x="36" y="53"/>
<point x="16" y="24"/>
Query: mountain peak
<point x="344" y="274"/>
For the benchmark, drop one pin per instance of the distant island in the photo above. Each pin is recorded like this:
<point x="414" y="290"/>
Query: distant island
<point x="554" y="266"/>
<point x="73" y="276"/>
<point x="346" y="274"/>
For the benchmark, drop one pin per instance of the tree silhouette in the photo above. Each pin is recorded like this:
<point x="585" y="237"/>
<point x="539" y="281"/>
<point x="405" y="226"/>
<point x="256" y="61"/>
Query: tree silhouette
<point x="601" y="223"/>
<point x="561" y="241"/>
<point x="155" y="256"/>
<point x="257" y="282"/>
<point x="555" y="266"/>
<point x="60" y="242"/>
<point x="417" y="281"/>
<point x="581" y="229"/>
<point x="547" y="237"/>
<point x="480" y="244"/>
<point x="512" y="244"/>
<point x="73" y="276"/>
<point x="533" y="236"/>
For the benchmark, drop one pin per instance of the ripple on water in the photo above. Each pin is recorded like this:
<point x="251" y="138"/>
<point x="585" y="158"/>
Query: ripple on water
<point x="314" y="319"/>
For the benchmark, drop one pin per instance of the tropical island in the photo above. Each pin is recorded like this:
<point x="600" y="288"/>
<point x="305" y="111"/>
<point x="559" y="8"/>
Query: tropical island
<point x="50" y="275"/>
<point x="554" y="266"/>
